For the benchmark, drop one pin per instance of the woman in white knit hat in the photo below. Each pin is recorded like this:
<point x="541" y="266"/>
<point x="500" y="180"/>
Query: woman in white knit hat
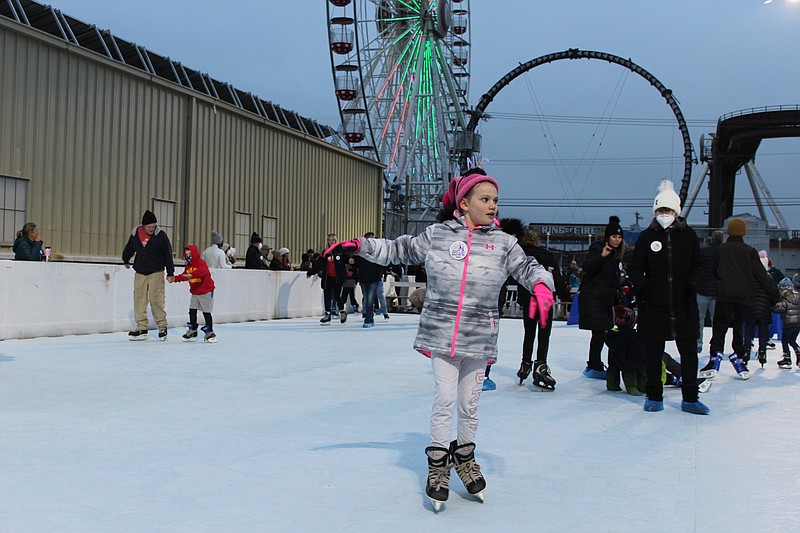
<point x="666" y="268"/>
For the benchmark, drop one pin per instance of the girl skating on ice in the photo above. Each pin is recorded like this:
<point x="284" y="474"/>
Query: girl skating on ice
<point x="467" y="258"/>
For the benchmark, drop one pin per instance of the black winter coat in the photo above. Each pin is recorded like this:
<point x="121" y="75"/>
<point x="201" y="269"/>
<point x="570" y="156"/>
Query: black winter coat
<point x="625" y="349"/>
<point x="760" y="306"/>
<point x="320" y="267"/>
<point x="547" y="260"/>
<point x="598" y="289"/>
<point x="369" y="272"/>
<point x="154" y="257"/>
<point x="666" y="267"/>
<point x="708" y="283"/>
<point x="254" y="259"/>
<point x="738" y="270"/>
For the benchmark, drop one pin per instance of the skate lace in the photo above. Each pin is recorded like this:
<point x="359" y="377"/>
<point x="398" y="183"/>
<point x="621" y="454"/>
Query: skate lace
<point x="469" y="471"/>
<point x="439" y="477"/>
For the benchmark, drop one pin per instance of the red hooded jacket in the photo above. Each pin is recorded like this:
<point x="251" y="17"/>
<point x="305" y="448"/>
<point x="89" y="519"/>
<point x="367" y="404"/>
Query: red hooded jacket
<point x="196" y="273"/>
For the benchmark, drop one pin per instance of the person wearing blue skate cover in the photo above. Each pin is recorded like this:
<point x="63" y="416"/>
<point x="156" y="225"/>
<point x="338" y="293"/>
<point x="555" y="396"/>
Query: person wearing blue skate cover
<point x="666" y="268"/>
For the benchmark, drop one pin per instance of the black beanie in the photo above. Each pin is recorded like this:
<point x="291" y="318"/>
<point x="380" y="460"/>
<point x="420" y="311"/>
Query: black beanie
<point x="255" y="238"/>
<point x="148" y="218"/>
<point x="613" y="227"/>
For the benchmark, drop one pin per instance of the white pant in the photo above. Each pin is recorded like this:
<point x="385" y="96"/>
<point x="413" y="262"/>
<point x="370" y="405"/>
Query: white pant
<point x="458" y="383"/>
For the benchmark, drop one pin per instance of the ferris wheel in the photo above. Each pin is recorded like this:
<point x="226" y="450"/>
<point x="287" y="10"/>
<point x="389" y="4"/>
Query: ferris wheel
<point x="401" y="74"/>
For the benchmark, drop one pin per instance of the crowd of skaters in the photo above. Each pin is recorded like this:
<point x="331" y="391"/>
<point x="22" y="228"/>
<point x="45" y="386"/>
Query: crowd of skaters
<point x="633" y="299"/>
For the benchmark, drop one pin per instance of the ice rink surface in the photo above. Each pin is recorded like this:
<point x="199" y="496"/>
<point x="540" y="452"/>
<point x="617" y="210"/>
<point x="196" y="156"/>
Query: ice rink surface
<point x="289" y="426"/>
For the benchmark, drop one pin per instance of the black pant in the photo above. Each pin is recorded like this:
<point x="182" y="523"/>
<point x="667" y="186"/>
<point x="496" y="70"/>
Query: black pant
<point x="654" y="355"/>
<point x="330" y="291"/>
<point x="596" y="349"/>
<point x="728" y="315"/>
<point x="531" y="325"/>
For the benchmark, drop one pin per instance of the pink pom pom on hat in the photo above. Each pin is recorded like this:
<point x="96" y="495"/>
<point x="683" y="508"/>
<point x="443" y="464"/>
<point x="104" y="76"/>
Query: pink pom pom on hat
<point x="461" y="185"/>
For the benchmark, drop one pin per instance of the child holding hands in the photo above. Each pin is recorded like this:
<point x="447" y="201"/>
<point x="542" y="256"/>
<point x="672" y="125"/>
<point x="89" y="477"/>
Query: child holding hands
<point x="201" y="286"/>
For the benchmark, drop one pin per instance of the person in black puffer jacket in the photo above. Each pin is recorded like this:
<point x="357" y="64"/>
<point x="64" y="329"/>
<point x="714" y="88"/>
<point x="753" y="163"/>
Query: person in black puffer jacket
<point x="601" y="271"/>
<point x="707" y="291"/>
<point x="757" y="319"/>
<point x="666" y="268"/>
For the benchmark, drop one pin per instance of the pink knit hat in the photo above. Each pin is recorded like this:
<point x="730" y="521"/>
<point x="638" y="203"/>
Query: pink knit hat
<point x="461" y="185"/>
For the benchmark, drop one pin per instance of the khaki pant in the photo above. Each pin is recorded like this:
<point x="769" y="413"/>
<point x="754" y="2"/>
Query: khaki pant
<point x="149" y="289"/>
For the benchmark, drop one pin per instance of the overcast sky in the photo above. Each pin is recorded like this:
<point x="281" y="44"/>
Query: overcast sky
<point x="717" y="56"/>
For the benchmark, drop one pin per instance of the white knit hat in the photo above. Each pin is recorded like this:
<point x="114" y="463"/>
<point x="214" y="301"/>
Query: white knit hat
<point x="667" y="197"/>
<point x="283" y="251"/>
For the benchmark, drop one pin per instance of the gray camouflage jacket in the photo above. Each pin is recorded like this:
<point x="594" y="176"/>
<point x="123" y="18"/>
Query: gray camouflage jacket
<point x="466" y="270"/>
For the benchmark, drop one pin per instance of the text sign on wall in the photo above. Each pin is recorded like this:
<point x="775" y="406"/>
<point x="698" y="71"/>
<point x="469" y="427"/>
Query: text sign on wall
<point x="570" y="230"/>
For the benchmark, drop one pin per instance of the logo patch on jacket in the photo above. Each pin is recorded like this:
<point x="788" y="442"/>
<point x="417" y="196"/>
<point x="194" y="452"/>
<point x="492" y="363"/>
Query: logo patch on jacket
<point x="656" y="246"/>
<point x="489" y="246"/>
<point x="458" y="250"/>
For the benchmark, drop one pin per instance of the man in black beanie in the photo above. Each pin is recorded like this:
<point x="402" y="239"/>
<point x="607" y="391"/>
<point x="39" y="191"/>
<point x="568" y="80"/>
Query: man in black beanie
<point x="153" y="253"/>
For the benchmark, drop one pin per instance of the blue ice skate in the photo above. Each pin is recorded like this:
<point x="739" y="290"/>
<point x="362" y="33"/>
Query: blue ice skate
<point x="712" y="367"/>
<point x="739" y="366"/>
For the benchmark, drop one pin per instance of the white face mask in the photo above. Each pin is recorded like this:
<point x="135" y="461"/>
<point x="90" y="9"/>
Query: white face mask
<point x="665" y="220"/>
<point x="259" y="245"/>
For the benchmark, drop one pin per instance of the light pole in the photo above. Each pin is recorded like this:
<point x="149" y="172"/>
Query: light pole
<point x="778" y="264"/>
<point x="548" y="240"/>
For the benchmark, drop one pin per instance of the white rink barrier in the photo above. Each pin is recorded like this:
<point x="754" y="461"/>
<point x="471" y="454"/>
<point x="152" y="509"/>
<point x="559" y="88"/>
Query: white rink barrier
<point x="53" y="299"/>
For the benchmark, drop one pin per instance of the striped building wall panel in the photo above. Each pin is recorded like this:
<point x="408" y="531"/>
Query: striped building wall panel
<point x="99" y="141"/>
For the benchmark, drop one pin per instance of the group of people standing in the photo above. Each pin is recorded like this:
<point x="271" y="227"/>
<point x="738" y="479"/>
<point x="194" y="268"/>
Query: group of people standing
<point x="334" y="268"/>
<point x="672" y="282"/>
<point x="260" y="257"/>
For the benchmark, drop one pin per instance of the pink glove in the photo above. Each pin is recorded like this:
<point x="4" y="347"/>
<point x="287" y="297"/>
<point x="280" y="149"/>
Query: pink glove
<point x="347" y="247"/>
<point x="541" y="302"/>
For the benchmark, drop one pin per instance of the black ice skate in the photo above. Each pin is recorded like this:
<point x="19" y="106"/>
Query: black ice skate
<point x="762" y="357"/>
<point x="542" y="377"/>
<point x="191" y="333"/>
<point x="162" y="334"/>
<point x="137" y="335"/>
<point x="210" y="335"/>
<point x="468" y="469"/>
<point x="438" y="484"/>
<point x="325" y="320"/>
<point x="524" y="371"/>
<point x="786" y="362"/>
<point x="342" y="317"/>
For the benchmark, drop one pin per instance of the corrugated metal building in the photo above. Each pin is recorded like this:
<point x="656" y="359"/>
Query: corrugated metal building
<point x="89" y="141"/>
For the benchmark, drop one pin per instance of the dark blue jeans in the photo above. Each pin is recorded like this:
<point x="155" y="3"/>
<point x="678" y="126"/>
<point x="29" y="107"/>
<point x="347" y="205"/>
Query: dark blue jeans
<point x="369" y="291"/>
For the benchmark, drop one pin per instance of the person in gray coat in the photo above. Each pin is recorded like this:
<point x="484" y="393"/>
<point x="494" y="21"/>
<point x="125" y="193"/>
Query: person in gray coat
<point x="467" y="259"/>
<point x="789" y="307"/>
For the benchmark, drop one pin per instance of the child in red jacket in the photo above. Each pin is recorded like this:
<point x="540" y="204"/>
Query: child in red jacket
<point x="202" y="288"/>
